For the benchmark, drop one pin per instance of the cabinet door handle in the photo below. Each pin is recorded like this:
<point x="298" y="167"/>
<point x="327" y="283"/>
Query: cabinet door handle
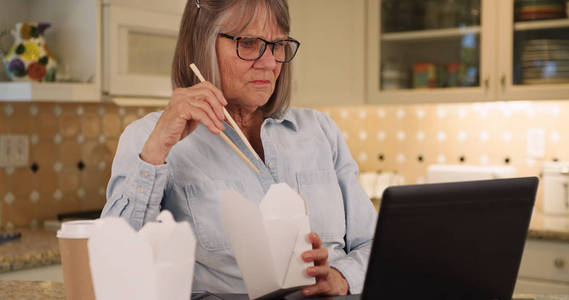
<point x="486" y="82"/>
<point x="503" y="81"/>
<point x="566" y="189"/>
<point x="559" y="263"/>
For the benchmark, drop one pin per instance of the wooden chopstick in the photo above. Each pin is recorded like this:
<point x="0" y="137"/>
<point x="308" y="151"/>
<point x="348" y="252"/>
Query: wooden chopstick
<point x="230" y="143"/>
<point x="240" y="133"/>
<point x="228" y="116"/>
<point x="223" y="136"/>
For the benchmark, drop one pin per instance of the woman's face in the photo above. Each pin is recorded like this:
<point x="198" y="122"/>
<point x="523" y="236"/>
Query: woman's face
<point x="249" y="83"/>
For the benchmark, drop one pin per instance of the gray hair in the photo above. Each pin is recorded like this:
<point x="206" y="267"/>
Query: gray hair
<point x="197" y="37"/>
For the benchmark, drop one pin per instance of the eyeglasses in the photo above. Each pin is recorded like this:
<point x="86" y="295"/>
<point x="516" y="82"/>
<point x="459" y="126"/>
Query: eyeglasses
<point x="252" y="48"/>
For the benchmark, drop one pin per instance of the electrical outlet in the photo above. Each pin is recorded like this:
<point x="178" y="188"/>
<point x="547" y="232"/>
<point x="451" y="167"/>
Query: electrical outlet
<point x="535" y="142"/>
<point x="14" y="150"/>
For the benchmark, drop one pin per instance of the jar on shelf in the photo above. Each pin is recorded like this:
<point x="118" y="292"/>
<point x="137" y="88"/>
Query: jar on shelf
<point x="468" y="13"/>
<point x="424" y="75"/>
<point x="448" y="14"/>
<point x="453" y="74"/>
<point x="394" y="76"/>
<point x="432" y="15"/>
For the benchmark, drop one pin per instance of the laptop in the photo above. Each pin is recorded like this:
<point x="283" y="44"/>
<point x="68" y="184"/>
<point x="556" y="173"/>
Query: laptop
<point x="460" y="240"/>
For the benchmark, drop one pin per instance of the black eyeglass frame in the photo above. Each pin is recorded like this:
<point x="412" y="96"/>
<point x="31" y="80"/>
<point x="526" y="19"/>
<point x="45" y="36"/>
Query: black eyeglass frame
<point x="264" y="48"/>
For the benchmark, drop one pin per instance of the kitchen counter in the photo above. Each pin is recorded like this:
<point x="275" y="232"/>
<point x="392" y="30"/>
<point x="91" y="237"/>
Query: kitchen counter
<point x="553" y="228"/>
<point x="36" y="248"/>
<point x="16" y="289"/>
<point x="542" y="227"/>
<point x="39" y="247"/>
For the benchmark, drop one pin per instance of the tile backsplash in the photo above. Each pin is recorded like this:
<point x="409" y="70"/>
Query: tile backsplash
<point x="72" y="146"/>
<point x="406" y="139"/>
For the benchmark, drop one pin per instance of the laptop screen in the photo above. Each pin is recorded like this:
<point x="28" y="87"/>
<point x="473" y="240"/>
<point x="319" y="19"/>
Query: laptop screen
<point x="460" y="240"/>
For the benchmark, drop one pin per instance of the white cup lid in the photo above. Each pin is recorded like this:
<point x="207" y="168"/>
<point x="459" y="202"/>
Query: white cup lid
<point x="76" y="229"/>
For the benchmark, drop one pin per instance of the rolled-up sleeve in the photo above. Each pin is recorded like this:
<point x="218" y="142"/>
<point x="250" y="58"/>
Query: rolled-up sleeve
<point x="360" y="214"/>
<point x="136" y="188"/>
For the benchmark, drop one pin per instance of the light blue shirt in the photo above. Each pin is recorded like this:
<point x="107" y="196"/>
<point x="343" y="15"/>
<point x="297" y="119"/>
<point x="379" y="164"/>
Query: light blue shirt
<point x="304" y="149"/>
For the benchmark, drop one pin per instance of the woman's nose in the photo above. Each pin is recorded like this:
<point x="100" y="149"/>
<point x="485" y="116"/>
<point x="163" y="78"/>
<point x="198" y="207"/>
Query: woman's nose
<point x="267" y="61"/>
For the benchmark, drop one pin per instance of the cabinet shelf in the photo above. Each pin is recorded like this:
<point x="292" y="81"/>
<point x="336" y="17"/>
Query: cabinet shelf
<point x="429" y="34"/>
<point x="546" y="24"/>
<point x="74" y="39"/>
<point x="138" y="102"/>
<point x="48" y="91"/>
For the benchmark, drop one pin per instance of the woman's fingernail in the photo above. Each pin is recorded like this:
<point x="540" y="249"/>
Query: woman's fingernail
<point x="311" y="237"/>
<point x="306" y="291"/>
<point x="310" y="271"/>
<point x="307" y="256"/>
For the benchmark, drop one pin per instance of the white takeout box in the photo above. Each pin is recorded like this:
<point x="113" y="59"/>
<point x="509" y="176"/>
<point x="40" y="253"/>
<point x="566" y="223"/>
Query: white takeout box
<point x="268" y="240"/>
<point x="155" y="263"/>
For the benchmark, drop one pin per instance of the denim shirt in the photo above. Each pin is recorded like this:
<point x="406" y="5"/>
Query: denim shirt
<point x="304" y="149"/>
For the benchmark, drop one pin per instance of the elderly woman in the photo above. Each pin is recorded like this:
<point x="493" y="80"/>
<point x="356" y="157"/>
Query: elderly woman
<point x="176" y="160"/>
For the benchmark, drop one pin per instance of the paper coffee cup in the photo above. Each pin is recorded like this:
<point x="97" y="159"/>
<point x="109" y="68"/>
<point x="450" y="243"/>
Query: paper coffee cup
<point x="73" y="237"/>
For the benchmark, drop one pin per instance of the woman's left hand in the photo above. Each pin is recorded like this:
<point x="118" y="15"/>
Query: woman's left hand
<point x="329" y="281"/>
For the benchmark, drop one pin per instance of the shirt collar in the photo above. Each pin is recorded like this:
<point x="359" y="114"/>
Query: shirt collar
<point x="288" y="119"/>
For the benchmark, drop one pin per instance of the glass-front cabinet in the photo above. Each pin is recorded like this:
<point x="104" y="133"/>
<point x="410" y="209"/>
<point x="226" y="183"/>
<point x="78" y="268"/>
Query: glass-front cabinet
<point x="467" y="50"/>
<point x="414" y="34"/>
<point x="536" y="44"/>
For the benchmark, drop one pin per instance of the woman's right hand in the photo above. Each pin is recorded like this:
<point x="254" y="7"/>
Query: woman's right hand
<point x="201" y="103"/>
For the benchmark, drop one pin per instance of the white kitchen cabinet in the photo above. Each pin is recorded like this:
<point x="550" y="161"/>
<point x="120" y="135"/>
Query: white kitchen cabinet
<point x="457" y="50"/>
<point x="139" y="43"/>
<point x="329" y="66"/>
<point x="544" y="268"/>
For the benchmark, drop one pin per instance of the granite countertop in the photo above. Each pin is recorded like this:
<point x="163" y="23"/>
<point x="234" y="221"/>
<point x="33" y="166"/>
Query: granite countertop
<point x="17" y="289"/>
<point x="36" y="248"/>
<point x="553" y="228"/>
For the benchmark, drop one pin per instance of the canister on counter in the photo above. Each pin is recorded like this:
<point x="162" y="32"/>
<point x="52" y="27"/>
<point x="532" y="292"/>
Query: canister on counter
<point x="556" y="188"/>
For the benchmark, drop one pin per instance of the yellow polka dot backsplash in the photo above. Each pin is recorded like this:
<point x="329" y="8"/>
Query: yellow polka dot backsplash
<point x="71" y="146"/>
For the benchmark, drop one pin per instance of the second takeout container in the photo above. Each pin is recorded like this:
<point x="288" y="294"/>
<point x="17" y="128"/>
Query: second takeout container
<point x="268" y="240"/>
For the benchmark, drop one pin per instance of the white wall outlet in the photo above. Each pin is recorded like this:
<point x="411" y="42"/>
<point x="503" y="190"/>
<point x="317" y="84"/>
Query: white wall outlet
<point x="14" y="150"/>
<point x="535" y="142"/>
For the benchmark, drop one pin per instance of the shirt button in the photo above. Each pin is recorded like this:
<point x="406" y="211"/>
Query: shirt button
<point x="144" y="174"/>
<point x="139" y="190"/>
<point x="271" y="165"/>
